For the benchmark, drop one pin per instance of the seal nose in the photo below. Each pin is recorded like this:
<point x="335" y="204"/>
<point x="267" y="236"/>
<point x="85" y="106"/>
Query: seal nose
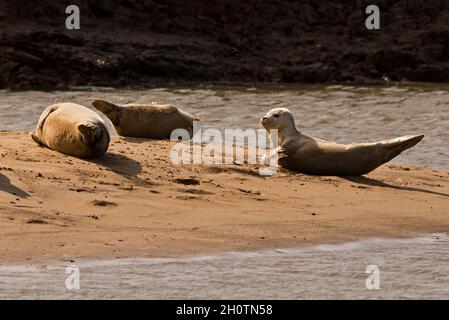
<point x="264" y="118"/>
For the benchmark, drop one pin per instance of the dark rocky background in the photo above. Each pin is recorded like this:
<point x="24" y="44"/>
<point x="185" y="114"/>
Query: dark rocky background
<point x="153" y="42"/>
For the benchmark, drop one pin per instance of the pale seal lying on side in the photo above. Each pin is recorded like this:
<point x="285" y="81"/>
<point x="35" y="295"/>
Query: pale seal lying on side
<point x="146" y="120"/>
<point x="308" y="155"/>
<point x="73" y="130"/>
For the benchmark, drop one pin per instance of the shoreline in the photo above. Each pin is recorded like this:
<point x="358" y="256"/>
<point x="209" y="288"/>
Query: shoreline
<point x="313" y="246"/>
<point x="134" y="203"/>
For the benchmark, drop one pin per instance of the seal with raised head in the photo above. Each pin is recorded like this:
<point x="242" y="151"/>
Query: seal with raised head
<point x="73" y="130"/>
<point x="308" y="155"/>
<point x="154" y="121"/>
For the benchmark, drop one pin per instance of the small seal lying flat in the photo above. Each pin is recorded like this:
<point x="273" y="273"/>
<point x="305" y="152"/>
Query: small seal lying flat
<point x="146" y="120"/>
<point x="73" y="130"/>
<point x="308" y="155"/>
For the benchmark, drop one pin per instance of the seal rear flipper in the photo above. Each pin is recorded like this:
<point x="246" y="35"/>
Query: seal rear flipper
<point x="41" y="122"/>
<point x="36" y="139"/>
<point x="395" y="146"/>
<point x="45" y="115"/>
<point x="111" y="110"/>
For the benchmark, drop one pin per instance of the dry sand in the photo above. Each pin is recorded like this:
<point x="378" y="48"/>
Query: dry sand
<point x="134" y="203"/>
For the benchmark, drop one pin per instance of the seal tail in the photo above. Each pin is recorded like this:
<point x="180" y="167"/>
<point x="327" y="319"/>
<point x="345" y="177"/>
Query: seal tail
<point x="394" y="147"/>
<point x="111" y="110"/>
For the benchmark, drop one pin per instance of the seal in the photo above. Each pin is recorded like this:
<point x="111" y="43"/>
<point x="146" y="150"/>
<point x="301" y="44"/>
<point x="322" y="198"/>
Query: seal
<point x="146" y="120"/>
<point x="308" y="155"/>
<point x="73" y="130"/>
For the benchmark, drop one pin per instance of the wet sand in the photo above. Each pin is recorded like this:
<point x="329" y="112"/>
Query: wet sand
<point x="134" y="203"/>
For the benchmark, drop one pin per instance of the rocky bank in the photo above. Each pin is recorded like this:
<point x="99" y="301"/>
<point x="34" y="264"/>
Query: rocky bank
<point x="155" y="42"/>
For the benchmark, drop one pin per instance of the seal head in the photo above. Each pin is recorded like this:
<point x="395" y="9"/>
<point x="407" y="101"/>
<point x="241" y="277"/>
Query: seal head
<point x="279" y="118"/>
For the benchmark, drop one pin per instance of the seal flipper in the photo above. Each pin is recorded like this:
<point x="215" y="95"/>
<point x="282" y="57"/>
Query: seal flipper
<point x="36" y="139"/>
<point x="40" y="124"/>
<point x="90" y="133"/>
<point x="111" y="110"/>
<point x="394" y="147"/>
<point x="45" y="115"/>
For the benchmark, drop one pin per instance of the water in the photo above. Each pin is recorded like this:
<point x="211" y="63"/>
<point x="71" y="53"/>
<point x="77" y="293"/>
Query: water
<point x="339" y="113"/>
<point x="408" y="269"/>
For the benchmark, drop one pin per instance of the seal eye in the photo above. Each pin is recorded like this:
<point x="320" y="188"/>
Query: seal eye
<point x="276" y="115"/>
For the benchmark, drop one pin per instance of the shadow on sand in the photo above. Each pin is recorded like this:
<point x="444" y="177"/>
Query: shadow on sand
<point x="119" y="164"/>
<point x="7" y="186"/>
<point x="139" y="140"/>
<point x="373" y="182"/>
